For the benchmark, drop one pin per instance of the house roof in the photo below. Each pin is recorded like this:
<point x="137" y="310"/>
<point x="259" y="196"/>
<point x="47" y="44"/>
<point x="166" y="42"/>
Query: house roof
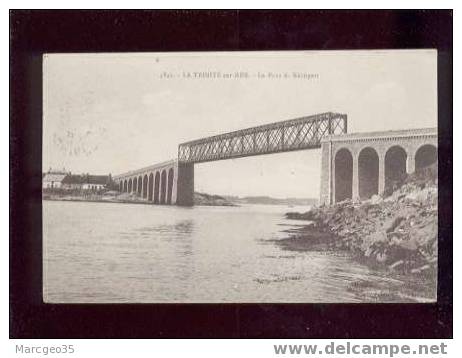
<point x="53" y="177"/>
<point x="73" y="179"/>
<point x="76" y="179"/>
<point x="95" y="179"/>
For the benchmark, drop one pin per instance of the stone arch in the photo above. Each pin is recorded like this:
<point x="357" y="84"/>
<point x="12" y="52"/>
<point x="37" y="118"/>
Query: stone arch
<point x="150" y="187"/>
<point x="156" y="188"/>
<point x="368" y="172"/>
<point x="163" y="186"/>
<point x="343" y="175"/>
<point x="125" y="186"/>
<point x="425" y="156"/>
<point x="145" y="186"/>
<point x="121" y="186"/>
<point x="130" y="183"/>
<point x="135" y="184"/>
<point x="395" y="166"/>
<point x="140" y="185"/>
<point x="169" y="186"/>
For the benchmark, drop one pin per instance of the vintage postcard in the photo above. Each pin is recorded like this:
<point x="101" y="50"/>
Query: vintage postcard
<point x="240" y="177"/>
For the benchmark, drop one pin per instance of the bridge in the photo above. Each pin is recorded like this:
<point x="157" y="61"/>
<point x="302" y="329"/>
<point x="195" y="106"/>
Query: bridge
<point x="353" y="165"/>
<point x="360" y="165"/>
<point x="294" y="134"/>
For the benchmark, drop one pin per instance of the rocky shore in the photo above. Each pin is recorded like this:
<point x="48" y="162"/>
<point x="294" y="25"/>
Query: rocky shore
<point x="398" y="231"/>
<point x="211" y="200"/>
<point x="130" y="198"/>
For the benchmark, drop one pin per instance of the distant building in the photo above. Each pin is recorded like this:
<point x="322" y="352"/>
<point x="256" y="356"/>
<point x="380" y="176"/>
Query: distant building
<point x="94" y="182"/>
<point x="72" y="182"/>
<point x="60" y="179"/>
<point x="54" y="178"/>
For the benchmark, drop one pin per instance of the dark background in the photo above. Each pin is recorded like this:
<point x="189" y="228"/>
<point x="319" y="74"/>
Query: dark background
<point x="34" y="32"/>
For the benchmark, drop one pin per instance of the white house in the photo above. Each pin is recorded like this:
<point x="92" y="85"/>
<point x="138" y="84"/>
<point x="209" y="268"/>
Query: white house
<point x="53" y="180"/>
<point x="94" y="182"/>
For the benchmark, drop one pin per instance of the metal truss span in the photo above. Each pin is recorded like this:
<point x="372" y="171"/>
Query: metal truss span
<point x="290" y="135"/>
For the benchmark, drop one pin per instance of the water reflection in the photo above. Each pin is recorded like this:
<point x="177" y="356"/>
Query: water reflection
<point x="97" y="252"/>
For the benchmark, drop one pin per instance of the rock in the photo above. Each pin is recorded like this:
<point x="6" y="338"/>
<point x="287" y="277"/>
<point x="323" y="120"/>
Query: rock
<point x="396" y="264"/>
<point x="409" y="245"/>
<point x="392" y="224"/>
<point x="368" y="252"/>
<point x="420" y="269"/>
<point x="372" y="240"/>
<point x="381" y="257"/>
<point x="395" y="239"/>
<point x="421" y="195"/>
<point x="400" y="230"/>
<point x="376" y="199"/>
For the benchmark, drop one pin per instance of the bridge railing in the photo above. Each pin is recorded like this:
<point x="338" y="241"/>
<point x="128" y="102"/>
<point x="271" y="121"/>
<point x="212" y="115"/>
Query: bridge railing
<point x="290" y="135"/>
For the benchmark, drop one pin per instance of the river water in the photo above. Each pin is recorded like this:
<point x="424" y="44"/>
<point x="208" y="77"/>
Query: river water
<point x="120" y="253"/>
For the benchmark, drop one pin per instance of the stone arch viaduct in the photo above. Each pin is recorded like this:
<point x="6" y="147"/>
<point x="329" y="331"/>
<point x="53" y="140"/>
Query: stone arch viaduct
<point x="353" y="166"/>
<point x="162" y="183"/>
<point x="360" y="165"/>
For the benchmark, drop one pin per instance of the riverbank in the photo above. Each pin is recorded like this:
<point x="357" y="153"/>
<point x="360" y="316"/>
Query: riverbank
<point x="398" y="232"/>
<point x="201" y="199"/>
<point x="211" y="200"/>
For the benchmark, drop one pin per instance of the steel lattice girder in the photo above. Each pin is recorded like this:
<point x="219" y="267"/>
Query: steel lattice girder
<point x="293" y="134"/>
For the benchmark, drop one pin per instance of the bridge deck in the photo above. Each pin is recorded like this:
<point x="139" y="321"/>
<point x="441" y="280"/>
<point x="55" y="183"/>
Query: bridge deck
<point x="290" y="135"/>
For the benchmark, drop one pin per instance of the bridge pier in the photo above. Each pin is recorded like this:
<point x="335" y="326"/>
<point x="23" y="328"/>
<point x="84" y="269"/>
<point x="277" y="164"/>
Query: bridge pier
<point x="355" y="180"/>
<point x="410" y="164"/>
<point x="381" y="186"/>
<point x="185" y="184"/>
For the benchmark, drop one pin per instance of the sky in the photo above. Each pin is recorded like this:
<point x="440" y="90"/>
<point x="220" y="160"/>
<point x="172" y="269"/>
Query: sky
<point x="111" y="113"/>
